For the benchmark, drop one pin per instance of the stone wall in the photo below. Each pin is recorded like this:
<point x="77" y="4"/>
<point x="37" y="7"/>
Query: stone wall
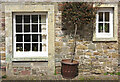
<point x="2" y="40"/>
<point x="94" y="57"/>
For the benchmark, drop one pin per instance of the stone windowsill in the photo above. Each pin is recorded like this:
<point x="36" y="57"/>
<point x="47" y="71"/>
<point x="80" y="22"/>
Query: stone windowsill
<point x="30" y="59"/>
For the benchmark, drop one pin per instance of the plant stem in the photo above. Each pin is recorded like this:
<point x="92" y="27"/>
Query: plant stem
<point x="74" y="43"/>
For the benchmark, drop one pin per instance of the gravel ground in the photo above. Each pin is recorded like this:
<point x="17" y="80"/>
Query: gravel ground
<point x="59" y="77"/>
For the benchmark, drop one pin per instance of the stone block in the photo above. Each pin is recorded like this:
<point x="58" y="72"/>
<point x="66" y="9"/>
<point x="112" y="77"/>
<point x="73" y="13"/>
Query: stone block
<point x="88" y="53"/>
<point x="96" y="53"/>
<point x="25" y="72"/>
<point x="58" y="43"/>
<point x="82" y="47"/>
<point x="91" y="46"/>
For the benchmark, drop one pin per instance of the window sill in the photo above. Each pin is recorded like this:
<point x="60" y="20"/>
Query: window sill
<point x="105" y="39"/>
<point x="31" y="59"/>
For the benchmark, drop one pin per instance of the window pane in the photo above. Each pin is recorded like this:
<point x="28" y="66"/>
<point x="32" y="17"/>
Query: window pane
<point x="40" y="46"/>
<point x="18" y="28"/>
<point x="34" y="38"/>
<point x="39" y="18"/>
<point x="34" y="28"/>
<point x="40" y="38"/>
<point x="34" y="46"/>
<point x="27" y="37"/>
<point x="40" y="28"/>
<point x="106" y="16"/>
<point x="19" y="47"/>
<point x="43" y="18"/>
<point x="26" y="28"/>
<point x="26" y="18"/>
<point x="34" y="18"/>
<point x="44" y="38"/>
<point x="18" y="18"/>
<point x="27" y="47"/>
<point x="43" y="28"/>
<point x="100" y="16"/>
<point x="100" y="27"/>
<point x="106" y="27"/>
<point x="19" y="38"/>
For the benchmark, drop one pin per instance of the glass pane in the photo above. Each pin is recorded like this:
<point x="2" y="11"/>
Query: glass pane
<point x="40" y="46"/>
<point x="18" y="28"/>
<point x="18" y="18"/>
<point x="19" y="47"/>
<point x="34" y="28"/>
<point x="43" y="18"/>
<point x="26" y="18"/>
<point x="19" y="38"/>
<point x="43" y="28"/>
<point x="40" y="38"/>
<point x="106" y="16"/>
<point x="27" y="47"/>
<point x="100" y="27"/>
<point x="26" y="28"/>
<point x="34" y="46"/>
<point x="100" y="16"/>
<point x="39" y="18"/>
<point x="34" y="18"/>
<point x="27" y="37"/>
<point x="44" y="38"/>
<point x="34" y="38"/>
<point x="40" y="28"/>
<point x="106" y="27"/>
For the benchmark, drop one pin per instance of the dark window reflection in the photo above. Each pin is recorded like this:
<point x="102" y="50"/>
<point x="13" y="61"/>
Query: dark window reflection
<point x="100" y="27"/>
<point x="40" y="28"/>
<point x="18" y="28"/>
<point x="27" y="37"/>
<point x="26" y="18"/>
<point x="34" y="38"/>
<point x="26" y="28"/>
<point x="34" y="18"/>
<point x="34" y="46"/>
<point x="100" y="16"/>
<point x="19" y="37"/>
<point x="27" y="47"/>
<point x="18" y="18"/>
<point x="107" y="27"/>
<point x="40" y="46"/>
<point x="34" y="28"/>
<point x="19" y="47"/>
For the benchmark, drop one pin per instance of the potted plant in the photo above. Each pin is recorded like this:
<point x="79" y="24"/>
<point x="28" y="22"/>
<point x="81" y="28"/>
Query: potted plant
<point x="75" y="14"/>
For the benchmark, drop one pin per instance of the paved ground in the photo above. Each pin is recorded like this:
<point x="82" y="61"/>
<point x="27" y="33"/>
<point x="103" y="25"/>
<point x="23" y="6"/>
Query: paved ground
<point x="59" y="77"/>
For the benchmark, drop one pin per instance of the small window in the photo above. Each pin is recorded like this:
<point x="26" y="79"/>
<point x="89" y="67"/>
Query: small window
<point x="104" y="23"/>
<point x="30" y="31"/>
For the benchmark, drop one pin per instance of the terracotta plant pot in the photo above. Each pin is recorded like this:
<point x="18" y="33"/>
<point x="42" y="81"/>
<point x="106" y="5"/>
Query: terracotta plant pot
<point x="69" y="70"/>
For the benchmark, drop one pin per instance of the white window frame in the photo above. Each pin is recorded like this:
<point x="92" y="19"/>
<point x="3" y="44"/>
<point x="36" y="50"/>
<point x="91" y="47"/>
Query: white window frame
<point x="30" y="54"/>
<point x="105" y="35"/>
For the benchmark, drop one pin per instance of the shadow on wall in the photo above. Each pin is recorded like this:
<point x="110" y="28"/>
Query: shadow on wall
<point x="84" y="33"/>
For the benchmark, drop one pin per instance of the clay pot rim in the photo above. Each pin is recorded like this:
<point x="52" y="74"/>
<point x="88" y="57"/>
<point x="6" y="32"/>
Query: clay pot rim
<point x="67" y="61"/>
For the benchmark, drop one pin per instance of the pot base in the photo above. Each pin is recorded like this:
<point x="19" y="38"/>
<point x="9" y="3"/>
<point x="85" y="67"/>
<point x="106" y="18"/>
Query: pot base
<point x="69" y="69"/>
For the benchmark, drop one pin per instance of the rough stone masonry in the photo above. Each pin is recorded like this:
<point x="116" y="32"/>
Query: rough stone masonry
<point x="93" y="57"/>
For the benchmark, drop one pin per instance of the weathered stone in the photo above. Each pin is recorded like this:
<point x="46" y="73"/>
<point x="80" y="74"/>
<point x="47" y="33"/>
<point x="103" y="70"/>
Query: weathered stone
<point x="88" y="53"/>
<point x="91" y="46"/>
<point x="58" y="43"/>
<point x="82" y="47"/>
<point x="79" y="52"/>
<point x="99" y="46"/>
<point x="96" y="53"/>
